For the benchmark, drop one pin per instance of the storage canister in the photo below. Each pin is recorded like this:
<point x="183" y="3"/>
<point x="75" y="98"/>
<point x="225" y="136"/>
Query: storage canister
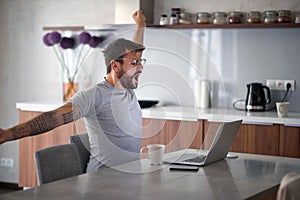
<point x="185" y="18"/>
<point x="253" y="17"/>
<point x="219" y="18"/>
<point x="270" y="17"/>
<point x="235" y="17"/>
<point x="284" y="16"/>
<point x="203" y="18"/>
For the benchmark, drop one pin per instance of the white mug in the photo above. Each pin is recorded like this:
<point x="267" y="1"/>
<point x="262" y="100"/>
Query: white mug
<point x="155" y="153"/>
<point x="282" y="109"/>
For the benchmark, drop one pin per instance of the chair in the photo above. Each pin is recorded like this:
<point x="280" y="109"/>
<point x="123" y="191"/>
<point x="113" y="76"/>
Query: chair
<point x="57" y="162"/>
<point x="289" y="188"/>
<point x="83" y="145"/>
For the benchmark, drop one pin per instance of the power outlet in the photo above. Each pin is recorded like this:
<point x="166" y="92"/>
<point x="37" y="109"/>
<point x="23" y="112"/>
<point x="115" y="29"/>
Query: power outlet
<point x="280" y="84"/>
<point x="7" y="162"/>
<point x="292" y="82"/>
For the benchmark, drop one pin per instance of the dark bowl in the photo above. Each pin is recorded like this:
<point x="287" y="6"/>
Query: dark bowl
<point x="147" y="103"/>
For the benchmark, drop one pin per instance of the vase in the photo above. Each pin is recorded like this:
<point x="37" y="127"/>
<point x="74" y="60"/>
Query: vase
<point x="69" y="89"/>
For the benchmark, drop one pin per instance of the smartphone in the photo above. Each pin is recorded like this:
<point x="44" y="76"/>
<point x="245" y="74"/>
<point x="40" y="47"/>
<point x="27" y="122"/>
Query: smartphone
<point x="184" y="168"/>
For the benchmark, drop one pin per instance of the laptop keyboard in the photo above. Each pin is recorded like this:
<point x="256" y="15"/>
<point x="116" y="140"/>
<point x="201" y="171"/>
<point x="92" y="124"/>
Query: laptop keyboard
<point x="198" y="159"/>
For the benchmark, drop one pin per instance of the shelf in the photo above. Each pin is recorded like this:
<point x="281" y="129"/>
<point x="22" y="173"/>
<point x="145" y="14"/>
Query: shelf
<point x="226" y="26"/>
<point x="63" y="28"/>
<point x="101" y="27"/>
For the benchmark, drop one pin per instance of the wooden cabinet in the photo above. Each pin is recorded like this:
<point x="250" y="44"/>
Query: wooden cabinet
<point x="276" y="140"/>
<point x="175" y="134"/>
<point x="28" y="146"/>
<point x="252" y="138"/>
<point x="289" y="141"/>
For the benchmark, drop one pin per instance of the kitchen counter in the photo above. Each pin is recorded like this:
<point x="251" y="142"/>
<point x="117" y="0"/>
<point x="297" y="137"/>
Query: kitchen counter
<point x="192" y="114"/>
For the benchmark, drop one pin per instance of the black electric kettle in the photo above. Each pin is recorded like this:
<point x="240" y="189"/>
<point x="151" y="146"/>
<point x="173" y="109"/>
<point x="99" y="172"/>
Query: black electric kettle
<point x="256" y="99"/>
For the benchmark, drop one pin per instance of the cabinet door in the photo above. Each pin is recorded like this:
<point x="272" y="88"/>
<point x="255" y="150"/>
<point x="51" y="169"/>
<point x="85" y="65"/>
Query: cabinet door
<point x="28" y="146"/>
<point x="175" y="134"/>
<point x="183" y="135"/>
<point x="289" y="141"/>
<point x="153" y="131"/>
<point x="253" y="138"/>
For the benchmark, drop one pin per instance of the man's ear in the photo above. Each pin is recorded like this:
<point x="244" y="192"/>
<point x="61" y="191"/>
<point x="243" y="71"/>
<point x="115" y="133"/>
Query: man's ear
<point x="114" y="65"/>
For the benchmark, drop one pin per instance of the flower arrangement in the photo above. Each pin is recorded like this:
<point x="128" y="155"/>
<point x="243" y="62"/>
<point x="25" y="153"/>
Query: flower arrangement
<point x="80" y="45"/>
<point x="68" y="48"/>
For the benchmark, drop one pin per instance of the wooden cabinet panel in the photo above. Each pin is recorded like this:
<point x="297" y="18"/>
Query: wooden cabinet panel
<point x="175" y="134"/>
<point x="289" y="141"/>
<point x="28" y="146"/>
<point x="252" y="138"/>
<point x="183" y="135"/>
<point x="153" y="131"/>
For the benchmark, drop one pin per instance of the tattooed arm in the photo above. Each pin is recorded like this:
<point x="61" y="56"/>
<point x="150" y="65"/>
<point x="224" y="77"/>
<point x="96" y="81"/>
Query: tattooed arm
<point x="41" y="123"/>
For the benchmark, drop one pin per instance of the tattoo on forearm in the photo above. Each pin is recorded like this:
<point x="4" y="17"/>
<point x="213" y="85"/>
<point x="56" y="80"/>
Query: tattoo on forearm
<point x="71" y="116"/>
<point x="42" y="123"/>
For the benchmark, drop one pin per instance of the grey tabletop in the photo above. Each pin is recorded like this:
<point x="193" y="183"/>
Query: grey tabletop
<point x="247" y="177"/>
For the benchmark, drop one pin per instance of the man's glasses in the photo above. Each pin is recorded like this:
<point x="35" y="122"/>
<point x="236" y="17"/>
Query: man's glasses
<point x="134" y="62"/>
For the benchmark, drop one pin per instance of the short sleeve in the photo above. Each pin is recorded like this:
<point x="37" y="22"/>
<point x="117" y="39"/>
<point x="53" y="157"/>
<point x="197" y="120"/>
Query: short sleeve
<point x="86" y="101"/>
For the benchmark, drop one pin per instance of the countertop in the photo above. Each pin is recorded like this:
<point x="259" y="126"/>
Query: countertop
<point x="249" y="176"/>
<point x="191" y="114"/>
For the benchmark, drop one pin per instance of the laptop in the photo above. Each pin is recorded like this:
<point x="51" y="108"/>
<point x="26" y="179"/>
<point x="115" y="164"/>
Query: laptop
<point x="218" y="150"/>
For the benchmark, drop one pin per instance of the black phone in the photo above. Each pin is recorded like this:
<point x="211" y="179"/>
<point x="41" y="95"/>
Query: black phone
<point x="184" y="168"/>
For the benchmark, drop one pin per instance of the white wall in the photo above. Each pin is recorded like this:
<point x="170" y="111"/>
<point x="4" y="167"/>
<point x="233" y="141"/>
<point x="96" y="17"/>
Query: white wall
<point x="29" y="70"/>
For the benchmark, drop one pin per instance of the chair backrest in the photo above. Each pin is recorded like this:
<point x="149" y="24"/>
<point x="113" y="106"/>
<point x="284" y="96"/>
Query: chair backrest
<point x="83" y="145"/>
<point x="289" y="187"/>
<point x="57" y="162"/>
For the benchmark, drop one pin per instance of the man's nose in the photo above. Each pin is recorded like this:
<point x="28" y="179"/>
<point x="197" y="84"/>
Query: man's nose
<point x="140" y="67"/>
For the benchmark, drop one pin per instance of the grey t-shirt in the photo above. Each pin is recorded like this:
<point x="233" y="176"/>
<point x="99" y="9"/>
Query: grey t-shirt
<point x="113" y="120"/>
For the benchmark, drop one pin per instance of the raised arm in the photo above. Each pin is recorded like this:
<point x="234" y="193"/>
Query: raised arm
<point x="41" y="123"/>
<point x="140" y="21"/>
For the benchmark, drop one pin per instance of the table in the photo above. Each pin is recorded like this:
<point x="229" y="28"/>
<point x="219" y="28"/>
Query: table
<point x="249" y="176"/>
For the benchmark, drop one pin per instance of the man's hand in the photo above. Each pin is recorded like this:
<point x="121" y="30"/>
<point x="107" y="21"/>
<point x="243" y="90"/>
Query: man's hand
<point x="139" y="18"/>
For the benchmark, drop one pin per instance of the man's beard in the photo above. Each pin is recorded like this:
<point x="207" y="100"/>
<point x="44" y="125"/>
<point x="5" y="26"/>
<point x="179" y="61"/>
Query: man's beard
<point x="127" y="81"/>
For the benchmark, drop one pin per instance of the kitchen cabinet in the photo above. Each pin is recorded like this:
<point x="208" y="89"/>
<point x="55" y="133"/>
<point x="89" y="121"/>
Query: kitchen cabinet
<point x="289" y="141"/>
<point x="175" y="134"/>
<point x="28" y="146"/>
<point x="252" y="138"/>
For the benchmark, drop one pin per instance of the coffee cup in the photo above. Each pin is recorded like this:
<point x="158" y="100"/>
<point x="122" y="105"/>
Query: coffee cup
<point x="282" y="109"/>
<point x="155" y="153"/>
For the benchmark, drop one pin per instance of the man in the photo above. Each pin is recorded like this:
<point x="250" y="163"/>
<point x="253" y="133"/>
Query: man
<point x="111" y="111"/>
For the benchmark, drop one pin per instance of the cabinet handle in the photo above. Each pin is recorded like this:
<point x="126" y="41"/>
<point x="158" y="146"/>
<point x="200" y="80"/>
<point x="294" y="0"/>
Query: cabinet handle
<point x="294" y="125"/>
<point x="258" y="123"/>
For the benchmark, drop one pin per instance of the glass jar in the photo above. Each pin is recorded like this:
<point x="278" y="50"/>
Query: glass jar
<point x="185" y="18"/>
<point x="175" y="13"/>
<point x="253" y="17"/>
<point x="219" y="18"/>
<point x="270" y="17"/>
<point x="297" y="18"/>
<point x="203" y="18"/>
<point x="235" y="17"/>
<point x="173" y="19"/>
<point x="284" y="16"/>
<point x="163" y="19"/>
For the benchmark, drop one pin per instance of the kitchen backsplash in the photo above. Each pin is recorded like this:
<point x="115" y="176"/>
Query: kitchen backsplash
<point x="227" y="58"/>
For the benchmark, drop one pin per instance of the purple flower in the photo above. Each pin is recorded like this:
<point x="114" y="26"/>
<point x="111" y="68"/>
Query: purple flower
<point x="84" y="38"/>
<point x="46" y="41"/>
<point x="95" y="41"/>
<point x="54" y="37"/>
<point x="67" y="43"/>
